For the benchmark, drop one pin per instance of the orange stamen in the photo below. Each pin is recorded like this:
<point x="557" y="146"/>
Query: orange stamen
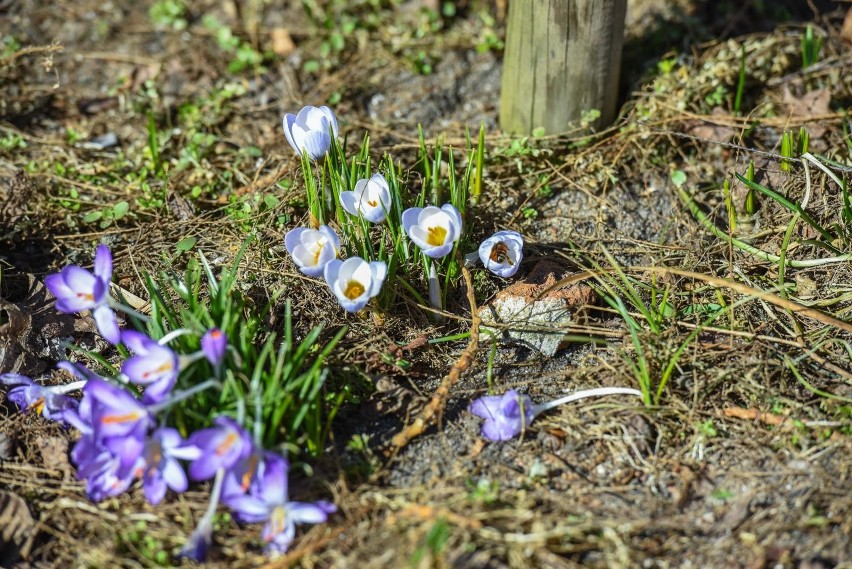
<point x="226" y="444"/>
<point x="109" y="419"/>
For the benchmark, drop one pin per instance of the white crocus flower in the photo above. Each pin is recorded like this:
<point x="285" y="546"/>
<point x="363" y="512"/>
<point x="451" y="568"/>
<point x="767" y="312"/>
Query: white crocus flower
<point x="355" y="281"/>
<point x="432" y="229"/>
<point x="502" y="253"/>
<point x="311" y="130"/>
<point x="371" y="199"/>
<point x="312" y="249"/>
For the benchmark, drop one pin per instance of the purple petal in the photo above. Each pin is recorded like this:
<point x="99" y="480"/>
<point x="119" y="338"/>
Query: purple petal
<point x="15" y="379"/>
<point x="249" y="509"/>
<point x="307" y="513"/>
<point x="137" y="341"/>
<point x="213" y="344"/>
<point x="486" y="407"/>
<point x="103" y="263"/>
<point x="174" y="475"/>
<point x="107" y="324"/>
<point x="155" y="488"/>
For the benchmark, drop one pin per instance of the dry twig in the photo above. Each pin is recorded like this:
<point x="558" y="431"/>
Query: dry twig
<point x="439" y="398"/>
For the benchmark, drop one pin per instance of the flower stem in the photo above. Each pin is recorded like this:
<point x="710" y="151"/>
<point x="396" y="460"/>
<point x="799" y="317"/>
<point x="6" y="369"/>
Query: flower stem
<point x="69" y="387"/>
<point x="115" y="305"/>
<point x="598" y="391"/>
<point x="185" y="394"/>
<point x="174" y="334"/>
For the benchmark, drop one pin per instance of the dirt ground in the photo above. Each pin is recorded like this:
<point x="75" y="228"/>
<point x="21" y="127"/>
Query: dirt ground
<point x="744" y="463"/>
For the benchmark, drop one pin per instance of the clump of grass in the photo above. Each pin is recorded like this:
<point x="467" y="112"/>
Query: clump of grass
<point x="281" y="382"/>
<point x="442" y="182"/>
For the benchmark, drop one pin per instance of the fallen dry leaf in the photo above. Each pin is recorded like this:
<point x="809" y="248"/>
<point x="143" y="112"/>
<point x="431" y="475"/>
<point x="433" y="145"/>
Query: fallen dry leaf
<point x="709" y="129"/>
<point x="282" y="42"/>
<point x="846" y="30"/>
<point x="16" y="525"/>
<point x="811" y="104"/>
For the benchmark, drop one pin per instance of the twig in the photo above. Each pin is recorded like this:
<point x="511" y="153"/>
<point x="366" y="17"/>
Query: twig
<point x="439" y="398"/>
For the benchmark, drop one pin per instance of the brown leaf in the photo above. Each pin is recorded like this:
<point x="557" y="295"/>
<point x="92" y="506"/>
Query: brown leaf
<point x="54" y="454"/>
<point x="710" y="129"/>
<point x="282" y="42"/>
<point x="846" y="30"/>
<point x="813" y="103"/>
<point x="16" y="525"/>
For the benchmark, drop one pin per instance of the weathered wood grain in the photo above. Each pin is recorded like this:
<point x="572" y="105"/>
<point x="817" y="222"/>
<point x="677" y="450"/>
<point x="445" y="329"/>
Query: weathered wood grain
<point x="562" y="57"/>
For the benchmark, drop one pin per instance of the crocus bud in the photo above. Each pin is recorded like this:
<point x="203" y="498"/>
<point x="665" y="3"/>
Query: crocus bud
<point x="213" y="344"/>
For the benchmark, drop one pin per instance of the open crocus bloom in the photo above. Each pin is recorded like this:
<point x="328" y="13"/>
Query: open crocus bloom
<point x="312" y="249"/>
<point x="76" y="289"/>
<point x="222" y="446"/>
<point x="311" y="130"/>
<point x="268" y="501"/>
<point x="371" y="199"/>
<point x="29" y="395"/>
<point x="153" y="365"/>
<point x="159" y="468"/>
<point x="502" y="253"/>
<point x="355" y="281"/>
<point x="432" y="229"/>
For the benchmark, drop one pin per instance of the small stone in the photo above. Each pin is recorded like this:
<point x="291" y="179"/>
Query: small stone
<point x="533" y="315"/>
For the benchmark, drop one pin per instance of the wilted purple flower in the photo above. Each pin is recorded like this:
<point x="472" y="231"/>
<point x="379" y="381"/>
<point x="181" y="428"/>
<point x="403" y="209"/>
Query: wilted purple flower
<point x="159" y="467"/>
<point x="432" y="229"/>
<point x="267" y="501"/>
<point x="221" y="447"/>
<point x="76" y="289"/>
<point x="508" y="414"/>
<point x="312" y="249"/>
<point x="371" y="199"/>
<point x="153" y="365"/>
<point x="502" y="253"/>
<point x="214" y="343"/>
<point x="198" y="543"/>
<point x="44" y="400"/>
<point x="505" y="415"/>
<point x="311" y="130"/>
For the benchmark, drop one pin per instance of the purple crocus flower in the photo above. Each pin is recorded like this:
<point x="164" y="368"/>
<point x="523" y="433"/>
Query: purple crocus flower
<point x="267" y="501"/>
<point x="119" y="421"/>
<point x="245" y="474"/>
<point x="213" y="344"/>
<point x="76" y="289"/>
<point x="159" y="468"/>
<point x="221" y="447"/>
<point x="45" y="400"/>
<point x="507" y="415"/>
<point x="153" y="365"/>
<point x="102" y="470"/>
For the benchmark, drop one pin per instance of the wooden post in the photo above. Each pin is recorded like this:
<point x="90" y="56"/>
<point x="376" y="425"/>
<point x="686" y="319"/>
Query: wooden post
<point x="562" y="57"/>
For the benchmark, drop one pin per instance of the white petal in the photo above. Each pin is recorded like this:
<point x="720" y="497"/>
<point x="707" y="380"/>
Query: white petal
<point x="410" y="217"/>
<point x="289" y="120"/>
<point x="332" y="119"/>
<point x="294" y="238"/>
<point x="349" y="203"/>
<point x="379" y="272"/>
